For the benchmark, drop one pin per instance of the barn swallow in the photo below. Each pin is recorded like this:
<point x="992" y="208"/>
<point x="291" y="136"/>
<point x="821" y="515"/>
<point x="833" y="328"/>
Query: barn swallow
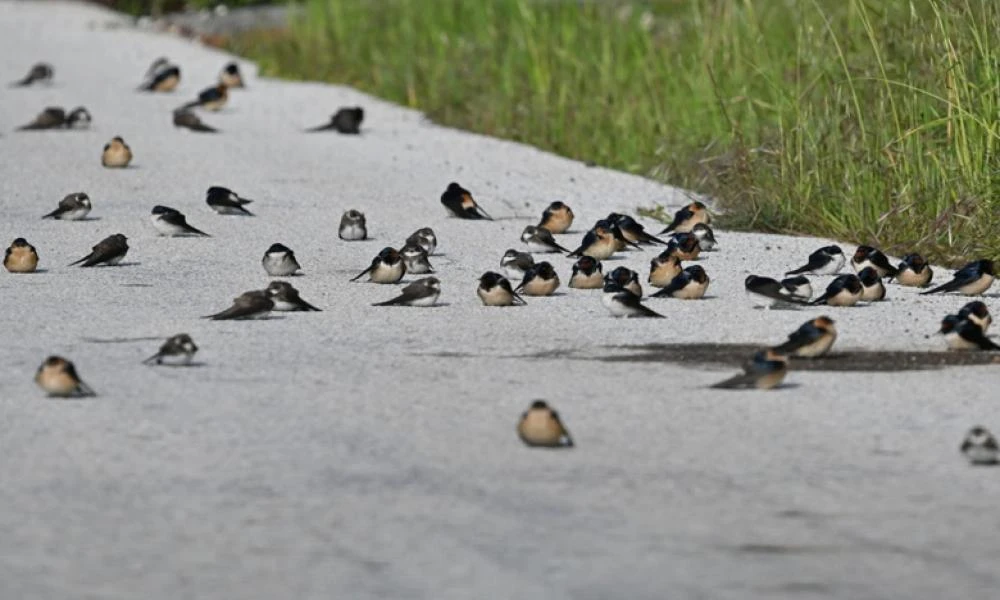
<point x="632" y="230"/>
<point x="539" y="239"/>
<point x="387" y="267"/>
<point x="798" y="286"/>
<point x="353" y="226"/>
<point x="226" y="202"/>
<point x="172" y="222"/>
<point x="770" y="292"/>
<point x="828" y="260"/>
<point x="977" y="312"/>
<point x="914" y="271"/>
<point x="963" y="334"/>
<point x="705" y="237"/>
<point x="460" y="203"/>
<point x="971" y="280"/>
<point x="279" y="261"/>
<point x="872" y="288"/>
<point x="188" y="120"/>
<point x="540" y="426"/>
<point x="623" y="303"/>
<point x="415" y="259"/>
<point x="599" y="243"/>
<point x="424" y="238"/>
<point x="684" y="245"/>
<point x="116" y="154"/>
<point x="345" y="120"/>
<point x="256" y="304"/>
<point x="687" y="217"/>
<point x="766" y="370"/>
<point x="813" y="339"/>
<point x="557" y="217"/>
<point x="980" y="447"/>
<point x="627" y="278"/>
<point x="109" y="251"/>
<point x="539" y="280"/>
<point x="71" y="208"/>
<point x="515" y="264"/>
<point x="663" y="269"/>
<point x="40" y="73"/>
<point x="494" y="290"/>
<point x="57" y="376"/>
<point x="845" y="290"/>
<point x="587" y="274"/>
<point x="20" y="257"/>
<point x="177" y="350"/>
<point x="621" y="242"/>
<point x="422" y="292"/>
<point x="867" y="256"/>
<point x="689" y="285"/>
<point x="231" y="77"/>
<point x="213" y="98"/>
<point x="161" y="77"/>
<point x="78" y="118"/>
<point x="286" y="298"/>
<point x="52" y="117"/>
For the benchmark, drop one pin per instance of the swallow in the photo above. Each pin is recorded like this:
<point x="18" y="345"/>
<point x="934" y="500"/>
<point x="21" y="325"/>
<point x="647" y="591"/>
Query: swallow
<point x="541" y="427"/>
<point x="683" y="245"/>
<point x="813" y="339"/>
<point x="226" y="202"/>
<point x="460" y="203"/>
<point x="424" y="238"/>
<point x="587" y="274"/>
<point x="766" y="370"/>
<point x="539" y="280"/>
<point x="706" y="237"/>
<point x="177" y="350"/>
<point x="494" y="290"/>
<point x="557" y="217"/>
<point x="689" y="285"/>
<point x="621" y="242"/>
<point x="286" y="298"/>
<point x="914" y="271"/>
<point x="57" y="376"/>
<point x="186" y="119"/>
<point x="279" y="261"/>
<point x="963" y="334"/>
<point x="663" y="269"/>
<point x="872" y="288"/>
<point x="623" y="303"/>
<point x="78" y="118"/>
<point x="353" y="226"/>
<point x="213" y="99"/>
<point x="977" y="312"/>
<point x="109" y="251"/>
<point x="828" y="260"/>
<point x="161" y="77"/>
<point x="627" y="278"/>
<point x="387" y="267"/>
<point x="515" y="264"/>
<point x="172" y="222"/>
<point x="771" y="292"/>
<point x="415" y="259"/>
<point x="867" y="256"/>
<point x="422" y="292"/>
<point x="71" y="208"/>
<point x="798" y="286"/>
<point x="539" y="239"/>
<point x="52" y="117"/>
<point x="345" y="120"/>
<point x="231" y="77"/>
<point x="845" y="290"/>
<point x="155" y="66"/>
<point x="980" y="447"/>
<point x="40" y="73"/>
<point x="257" y="304"/>
<point x="599" y="243"/>
<point x="116" y="154"/>
<point x="687" y="217"/>
<point x="971" y="280"/>
<point x="21" y="257"/>
<point x="632" y="230"/>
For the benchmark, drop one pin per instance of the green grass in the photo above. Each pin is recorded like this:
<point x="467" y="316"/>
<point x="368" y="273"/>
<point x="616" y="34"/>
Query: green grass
<point x="868" y="121"/>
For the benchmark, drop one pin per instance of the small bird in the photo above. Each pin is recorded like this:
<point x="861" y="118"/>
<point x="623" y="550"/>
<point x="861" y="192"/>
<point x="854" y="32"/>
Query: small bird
<point x="963" y="334"/>
<point x="914" y="271"/>
<point x="109" y="251"/>
<point x="231" y="77"/>
<point x="386" y="267"/>
<point x="161" y="77"/>
<point x="256" y="304"/>
<point x="599" y="243"/>
<point x="177" y="350"/>
<point x="980" y="447"/>
<point x="684" y="246"/>
<point x="587" y="274"/>
<point x="345" y="120"/>
<point x="353" y="226"/>
<point x="813" y="339"/>
<point x="79" y="118"/>
<point x="627" y="278"/>
<point x="73" y="207"/>
<point x="663" y="269"/>
<point x="687" y="217"/>
<point x="828" y="260"/>
<point x="765" y="371"/>
<point x="557" y="217"/>
<point x="172" y="222"/>
<point x="689" y="285"/>
<point x="623" y="303"/>
<point x="57" y="376"/>
<point x="977" y="312"/>
<point x="460" y="203"/>
<point x="279" y="261"/>
<point x="188" y="120"/>
<point x="621" y="242"/>
<point x="541" y="427"/>
<point x="422" y="292"/>
<point x="867" y="256"/>
<point x="539" y="239"/>
<point x="971" y="280"/>
<point x="424" y="238"/>
<point x="515" y="264"/>
<point x="286" y="298"/>
<point x="539" y="280"/>
<point x="769" y="292"/>
<point x="845" y="290"/>
<point x="415" y="259"/>
<point x="632" y="230"/>
<point x="226" y="202"/>
<point x="39" y="73"/>
<point x="494" y="290"/>
<point x="872" y="288"/>
<point x="705" y="236"/>
<point x="213" y="99"/>
<point x="52" y="117"/>
<point x="117" y="154"/>
<point x="798" y="286"/>
<point x="21" y="257"/>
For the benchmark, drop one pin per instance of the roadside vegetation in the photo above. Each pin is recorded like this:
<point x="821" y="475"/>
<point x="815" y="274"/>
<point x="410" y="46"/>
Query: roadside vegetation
<point x="866" y="121"/>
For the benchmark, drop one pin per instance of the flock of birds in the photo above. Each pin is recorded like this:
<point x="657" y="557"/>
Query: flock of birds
<point x="690" y="234"/>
